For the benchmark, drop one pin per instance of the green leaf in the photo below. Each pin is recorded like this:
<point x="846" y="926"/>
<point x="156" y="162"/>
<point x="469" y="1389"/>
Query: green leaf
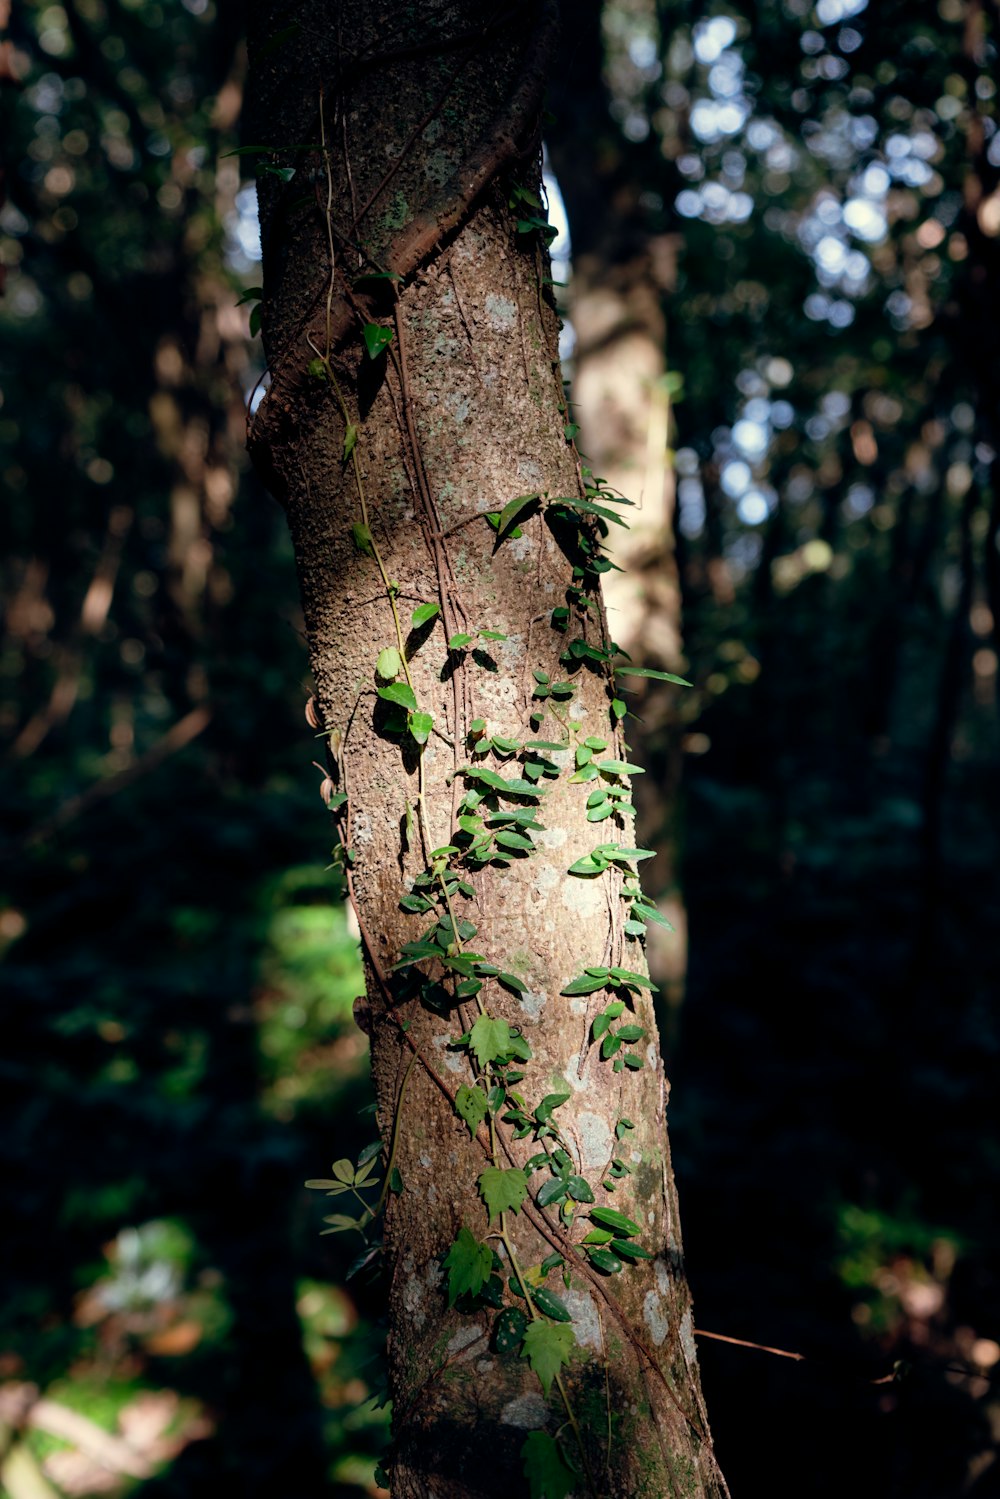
<point x="580" y="1189"/>
<point x="551" y="1191"/>
<point x="585" y="984"/>
<point x="341" y="1223"/>
<point x="550" y="1103"/>
<point x="255" y="319"/>
<point x="492" y="635"/>
<point x="618" y="708"/>
<point x="547" y="1346"/>
<point x="548" y="1302"/>
<point x="489" y="1039"/>
<point x="515" y="840"/>
<point x="626" y="976"/>
<point x="511" y="511"/>
<point x="350" y="438"/>
<point x="518" y="787"/>
<point x="317" y="369"/>
<point x="362" y="538"/>
<point x="508" y="1329"/>
<point x="471" y="1105"/>
<point x="510" y="980"/>
<point x="400" y="693"/>
<point x="521" y="194"/>
<point x="647" y="671"/>
<point x="590" y="864"/>
<point x="630" y="1251"/>
<point x="493" y="517"/>
<point x="389" y="665"/>
<point x="588" y="508"/>
<point x="650" y="913"/>
<point x="377" y="339"/>
<point x="611" y="1218"/>
<point x="544" y="1468"/>
<point x="488" y="777"/>
<point x="587" y="773"/>
<point x="420" y="725"/>
<point x="605" y="1260"/>
<point x="601" y="812"/>
<point x="458" y="641"/>
<point x="469" y="1265"/>
<point x="598" y="1236"/>
<point x="423" y="613"/>
<point x="601" y="1026"/>
<point x="619" y="768"/>
<point x="630" y="1032"/>
<point x="503" y="1190"/>
<point x="252" y="294"/>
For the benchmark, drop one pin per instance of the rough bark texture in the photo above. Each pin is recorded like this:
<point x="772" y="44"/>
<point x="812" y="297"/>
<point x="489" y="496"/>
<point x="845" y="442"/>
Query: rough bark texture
<point x="431" y="115"/>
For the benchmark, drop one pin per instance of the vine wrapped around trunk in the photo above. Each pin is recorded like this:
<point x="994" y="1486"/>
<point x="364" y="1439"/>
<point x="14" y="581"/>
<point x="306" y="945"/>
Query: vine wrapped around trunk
<point x="450" y="546"/>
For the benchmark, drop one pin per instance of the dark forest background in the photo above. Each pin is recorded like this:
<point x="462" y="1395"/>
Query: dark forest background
<point x="178" y="1052"/>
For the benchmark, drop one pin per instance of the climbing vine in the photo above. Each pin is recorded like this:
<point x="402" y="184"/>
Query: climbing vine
<point x="500" y="786"/>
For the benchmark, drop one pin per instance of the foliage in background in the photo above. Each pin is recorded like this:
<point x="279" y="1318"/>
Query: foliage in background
<point x="179" y="1048"/>
<point x="834" y="170"/>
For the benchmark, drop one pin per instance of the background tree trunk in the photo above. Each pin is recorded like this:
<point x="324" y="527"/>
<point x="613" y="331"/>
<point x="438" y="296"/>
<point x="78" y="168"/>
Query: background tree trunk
<point x="429" y="121"/>
<point x="624" y="266"/>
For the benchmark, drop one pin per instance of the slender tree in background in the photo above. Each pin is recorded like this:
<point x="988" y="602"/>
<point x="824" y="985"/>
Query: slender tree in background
<point x="450" y="547"/>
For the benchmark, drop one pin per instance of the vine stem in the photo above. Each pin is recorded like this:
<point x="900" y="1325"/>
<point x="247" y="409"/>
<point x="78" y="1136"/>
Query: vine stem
<point x="446" y="586"/>
<point x="533" y="1313"/>
<point x="325" y="356"/>
<point x="454" y="927"/>
<point x="394" y="1143"/>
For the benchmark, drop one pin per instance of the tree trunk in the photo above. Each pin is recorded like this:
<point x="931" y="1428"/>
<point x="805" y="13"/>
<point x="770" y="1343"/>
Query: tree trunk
<point x="400" y="411"/>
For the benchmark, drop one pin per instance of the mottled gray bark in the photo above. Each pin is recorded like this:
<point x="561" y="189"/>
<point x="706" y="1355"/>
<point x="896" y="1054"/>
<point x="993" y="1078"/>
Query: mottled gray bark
<point x="431" y="118"/>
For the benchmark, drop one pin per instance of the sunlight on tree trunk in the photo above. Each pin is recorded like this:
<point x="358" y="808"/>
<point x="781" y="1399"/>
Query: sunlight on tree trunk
<point x="450" y="554"/>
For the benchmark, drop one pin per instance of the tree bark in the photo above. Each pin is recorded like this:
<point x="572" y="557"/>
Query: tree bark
<point x="427" y="120"/>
